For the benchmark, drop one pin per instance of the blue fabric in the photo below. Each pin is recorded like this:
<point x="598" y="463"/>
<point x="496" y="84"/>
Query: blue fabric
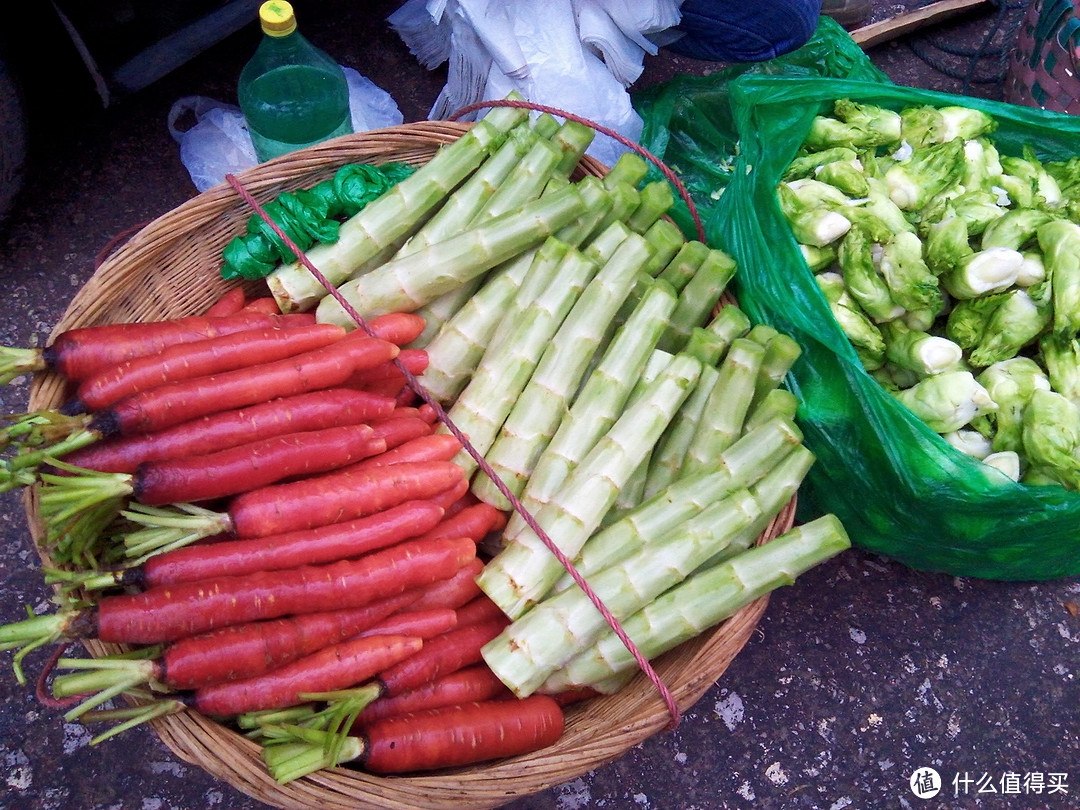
<point x="744" y="30"/>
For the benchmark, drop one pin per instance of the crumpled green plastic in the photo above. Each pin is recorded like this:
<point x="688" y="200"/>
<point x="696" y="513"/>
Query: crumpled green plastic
<point x="308" y="217"/>
<point x="898" y="487"/>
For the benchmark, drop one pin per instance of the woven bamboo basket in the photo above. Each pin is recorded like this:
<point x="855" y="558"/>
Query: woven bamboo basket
<point x="170" y="268"/>
<point x="1043" y="66"/>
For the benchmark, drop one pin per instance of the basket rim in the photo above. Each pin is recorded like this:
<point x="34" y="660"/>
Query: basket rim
<point x="630" y="716"/>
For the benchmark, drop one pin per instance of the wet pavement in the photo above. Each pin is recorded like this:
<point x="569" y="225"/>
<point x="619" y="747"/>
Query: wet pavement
<point x="860" y="674"/>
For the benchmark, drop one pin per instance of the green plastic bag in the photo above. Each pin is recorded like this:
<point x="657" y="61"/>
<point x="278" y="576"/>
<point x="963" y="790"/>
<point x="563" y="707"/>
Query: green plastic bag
<point x="688" y="122"/>
<point x="898" y="487"/>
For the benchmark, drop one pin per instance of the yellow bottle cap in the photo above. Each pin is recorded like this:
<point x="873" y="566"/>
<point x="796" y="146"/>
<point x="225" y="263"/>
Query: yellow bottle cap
<point x="277" y="18"/>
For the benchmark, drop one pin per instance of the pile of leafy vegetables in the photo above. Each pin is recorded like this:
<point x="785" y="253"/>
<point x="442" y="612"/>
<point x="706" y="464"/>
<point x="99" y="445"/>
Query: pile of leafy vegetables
<point x="954" y="270"/>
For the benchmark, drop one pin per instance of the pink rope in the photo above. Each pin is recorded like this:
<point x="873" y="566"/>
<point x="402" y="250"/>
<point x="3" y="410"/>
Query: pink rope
<point x="414" y="383"/>
<point x="669" y="175"/>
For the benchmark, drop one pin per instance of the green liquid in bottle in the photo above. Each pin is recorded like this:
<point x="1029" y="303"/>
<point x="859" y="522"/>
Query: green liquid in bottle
<point x="294" y="106"/>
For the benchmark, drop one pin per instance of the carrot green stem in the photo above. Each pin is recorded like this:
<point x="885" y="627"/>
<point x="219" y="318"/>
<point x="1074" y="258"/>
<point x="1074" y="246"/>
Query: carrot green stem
<point x="41" y="428"/>
<point x="37" y="631"/>
<point x="170" y="528"/>
<point x="15" y="362"/>
<point x="132" y="716"/>
<point x="307" y="754"/>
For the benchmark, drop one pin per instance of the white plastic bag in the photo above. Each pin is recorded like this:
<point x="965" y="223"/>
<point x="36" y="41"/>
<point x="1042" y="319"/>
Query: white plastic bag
<point x="218" y="143"/>
<point x="574" y="55"/>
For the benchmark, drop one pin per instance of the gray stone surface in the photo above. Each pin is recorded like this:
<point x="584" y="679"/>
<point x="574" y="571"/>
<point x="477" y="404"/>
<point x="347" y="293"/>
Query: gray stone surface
<point x="860" y="673"/>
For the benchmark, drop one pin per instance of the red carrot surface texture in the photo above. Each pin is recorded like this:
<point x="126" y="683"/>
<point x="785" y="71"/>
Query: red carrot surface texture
<point x="425" y="740"/>
<point x="323" y="544"/>
<point x="172" y="612"/>
<point x="200" y="358"/>
<point x="337" y="667"/>
<point x="217" y="431"/>
<point x="77" y="353"/>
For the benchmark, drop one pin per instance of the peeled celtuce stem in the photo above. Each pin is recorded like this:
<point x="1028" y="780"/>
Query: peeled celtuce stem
<point x="600" y="401"/>
<point x="387" y="221"/>
<point x="536" y="415"/>
<point x="699" y="602"/>
<point x="507" y="366"/>
<point x="525" y="569"/>
<point x="532" y="647"/>
<point x="405" y="284"/>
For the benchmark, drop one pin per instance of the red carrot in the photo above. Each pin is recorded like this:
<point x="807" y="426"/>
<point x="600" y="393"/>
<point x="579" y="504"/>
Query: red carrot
<point x="306" y="503"/>
<point x="400" y="428"/>
<point x="215" y="475"/>
<point x="173" y="403"/>
<point x="453" y="650"/>
<point x="265" y="303"/>
<point x="473" y="683"/>
<point x="578" y="694"/>
<point x="340" y="666"/>
<point x="231" y="301"/>
<point x="454" y="591"/>
<point x="335" y="497"/>
<point x="423" y="624"/>
<point x="323" y="544"/>
<point x="185" y="361"/>
<point x="245" y="650"/>
<point x="406" y="442"/>
<point x="175" y="611"/>
<point x="460" y="734"/>
<point x="414" y="361"/>
<point x="252" y="465"/>
<point x="475" y="521"/>
<point x="300" y="412"/>
<point x="479" y="609"/>
<point x="79" y="352"/>
<point x="397" y="327"/>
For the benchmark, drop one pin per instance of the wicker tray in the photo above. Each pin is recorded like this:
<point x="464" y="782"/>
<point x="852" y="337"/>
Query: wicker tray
<point x="169" y="268"/>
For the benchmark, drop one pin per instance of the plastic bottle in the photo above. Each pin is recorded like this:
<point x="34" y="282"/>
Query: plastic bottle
<point x="291" y="93"/>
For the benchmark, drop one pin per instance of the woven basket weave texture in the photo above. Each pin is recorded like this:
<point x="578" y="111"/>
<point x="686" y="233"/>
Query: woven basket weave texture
<point x="1042" y="70"/>
<point x="169" y="268"/>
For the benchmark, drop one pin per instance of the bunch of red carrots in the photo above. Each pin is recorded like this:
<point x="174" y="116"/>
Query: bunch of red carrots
<point x="262" y="511"/>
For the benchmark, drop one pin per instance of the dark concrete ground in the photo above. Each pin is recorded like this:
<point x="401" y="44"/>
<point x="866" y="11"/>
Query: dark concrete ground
<point x="861" y="673"/>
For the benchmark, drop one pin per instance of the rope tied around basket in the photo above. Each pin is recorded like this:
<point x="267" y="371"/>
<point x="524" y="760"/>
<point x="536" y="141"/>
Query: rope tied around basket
<point x="417" y="387"/>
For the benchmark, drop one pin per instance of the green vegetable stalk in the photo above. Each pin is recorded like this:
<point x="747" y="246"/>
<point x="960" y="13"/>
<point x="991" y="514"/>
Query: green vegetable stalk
<point x="523" y="572"/>
<point x="864" y="335"/>
<point x="387" y="221"/>
<point x="861" y="277"/>
<point x="603" y="397"/>
<point x="539" y="408"/>
<point x="405" y="284"/>
<point x="506" y="367"/>
<point x="921" y="352"/>
<point x="1011" y="384"/>
<point x="539" y="641"/>
<point x="1059" y="241"/>
<point x="700" y="602"/>
<point x="1051" y="434"/>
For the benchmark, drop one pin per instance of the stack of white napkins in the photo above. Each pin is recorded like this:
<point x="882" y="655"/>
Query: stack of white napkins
<point x="579" y="56"/>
